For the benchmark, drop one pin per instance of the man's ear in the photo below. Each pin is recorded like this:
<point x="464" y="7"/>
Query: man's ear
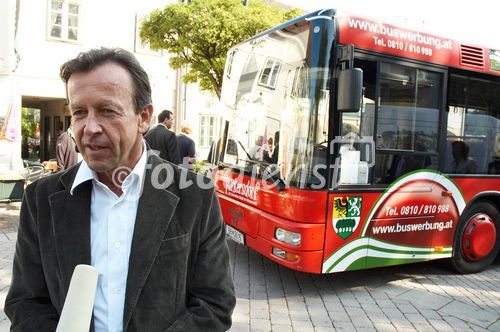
<point x="145" y="118"/>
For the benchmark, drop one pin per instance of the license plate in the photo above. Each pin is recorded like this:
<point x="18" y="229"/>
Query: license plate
<point x="235" y="235"/>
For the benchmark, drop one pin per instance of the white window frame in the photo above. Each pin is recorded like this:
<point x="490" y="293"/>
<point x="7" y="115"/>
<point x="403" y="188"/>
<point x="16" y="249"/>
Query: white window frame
<point x="207" y="130"/>
<point x="270" y="81"/>
<point x="139" y="46"/>
<point x="65" y="17"/>
<point x="230" y="60"/>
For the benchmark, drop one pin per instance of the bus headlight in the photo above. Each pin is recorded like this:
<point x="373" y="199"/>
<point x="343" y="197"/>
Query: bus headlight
<point x="287" y="236"/>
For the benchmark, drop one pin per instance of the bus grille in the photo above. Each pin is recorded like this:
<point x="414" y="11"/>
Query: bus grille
<point x="471" y="56"/>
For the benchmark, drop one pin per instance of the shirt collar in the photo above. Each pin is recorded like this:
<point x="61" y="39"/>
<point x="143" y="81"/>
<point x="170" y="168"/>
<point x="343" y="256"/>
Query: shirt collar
<point x="85" y="174"/>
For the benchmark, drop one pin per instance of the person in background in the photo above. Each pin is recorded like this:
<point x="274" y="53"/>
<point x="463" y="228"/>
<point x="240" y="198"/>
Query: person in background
<point x="462" y="163"/>
<point x="60" y="130"/>
<point x="254" y="151"/>
<point x="388" y="140"/>
<point x="494" y="165"/>
<point x="187" y="150"/>
<point x="169" y="120"/>
<point x="270" y="146"/>
<point x="66" y="151"/>
<point x="159" y="246"/>
<point x="272" y="157"/>
<point x="162" y="139"/>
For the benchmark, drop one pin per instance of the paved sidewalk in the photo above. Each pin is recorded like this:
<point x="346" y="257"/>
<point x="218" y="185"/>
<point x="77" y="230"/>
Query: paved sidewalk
<point x="418" y="297"/>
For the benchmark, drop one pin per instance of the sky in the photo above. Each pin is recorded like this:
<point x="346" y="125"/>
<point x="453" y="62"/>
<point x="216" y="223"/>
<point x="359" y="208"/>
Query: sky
<point x="474" y="21"/>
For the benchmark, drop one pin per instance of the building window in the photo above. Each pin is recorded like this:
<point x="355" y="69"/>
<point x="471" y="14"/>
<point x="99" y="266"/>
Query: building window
<point x="64" y="19"/>
<point x="229" y="63"/>
<point x="269" y="73"/>
<point x="207" y="130"/>
<point x="139" y="45"/>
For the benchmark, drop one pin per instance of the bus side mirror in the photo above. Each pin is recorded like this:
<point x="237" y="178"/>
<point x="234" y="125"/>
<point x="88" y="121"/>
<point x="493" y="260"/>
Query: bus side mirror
<point x="350" y="87"/>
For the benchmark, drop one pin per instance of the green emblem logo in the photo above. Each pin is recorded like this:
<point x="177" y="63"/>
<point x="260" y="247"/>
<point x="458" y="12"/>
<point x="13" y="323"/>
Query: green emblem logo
<point x="346" y="215"/>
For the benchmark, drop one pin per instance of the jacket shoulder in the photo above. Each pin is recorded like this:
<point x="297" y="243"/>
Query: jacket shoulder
<point x="44" y="187"/>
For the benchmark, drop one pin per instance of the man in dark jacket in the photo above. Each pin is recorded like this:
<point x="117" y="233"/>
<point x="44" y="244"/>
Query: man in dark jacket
<point x="161" y="139"/>
<point x="159" y="246"/>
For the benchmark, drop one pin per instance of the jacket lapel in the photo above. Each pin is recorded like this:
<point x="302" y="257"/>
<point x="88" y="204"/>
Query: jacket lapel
<point x="71" y="225"/>
<point x="154" y="213"/>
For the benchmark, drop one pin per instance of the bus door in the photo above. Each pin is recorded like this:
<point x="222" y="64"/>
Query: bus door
<point x="403" y="225"/>
<point x="407" y="217"/>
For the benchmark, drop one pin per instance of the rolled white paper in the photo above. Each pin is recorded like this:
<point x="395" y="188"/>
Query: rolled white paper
<point x="77" y="309"/>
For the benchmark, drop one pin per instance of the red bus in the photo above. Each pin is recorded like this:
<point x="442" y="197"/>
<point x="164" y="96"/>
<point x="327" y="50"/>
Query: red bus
<point x="350" y="143"/>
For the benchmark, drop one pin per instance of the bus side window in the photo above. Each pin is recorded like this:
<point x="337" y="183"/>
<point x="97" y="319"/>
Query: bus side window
<point x="407" y="121"/>
<point x="494" y="165"/>
<point x="473" y="126"/>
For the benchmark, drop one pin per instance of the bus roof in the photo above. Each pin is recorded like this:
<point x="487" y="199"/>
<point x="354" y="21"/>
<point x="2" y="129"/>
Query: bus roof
<point x="375" y="35"/>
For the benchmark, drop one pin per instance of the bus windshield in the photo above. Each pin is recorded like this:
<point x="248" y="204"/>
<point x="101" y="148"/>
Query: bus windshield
<point x="277" y="108"/>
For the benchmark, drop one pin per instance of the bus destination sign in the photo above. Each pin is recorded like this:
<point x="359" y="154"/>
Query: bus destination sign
<point x="395" y="40"/>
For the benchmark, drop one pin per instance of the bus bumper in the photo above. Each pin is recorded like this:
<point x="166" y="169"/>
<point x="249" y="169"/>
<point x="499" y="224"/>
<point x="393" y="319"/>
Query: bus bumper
<point x="259" y="230"/>
<point x="307" y="261"/>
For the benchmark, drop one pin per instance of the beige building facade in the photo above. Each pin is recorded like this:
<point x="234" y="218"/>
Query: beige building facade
<point x="37" y="36"/>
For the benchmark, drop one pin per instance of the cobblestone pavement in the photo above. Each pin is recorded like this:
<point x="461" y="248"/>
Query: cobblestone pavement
<point x="417" y="297"/>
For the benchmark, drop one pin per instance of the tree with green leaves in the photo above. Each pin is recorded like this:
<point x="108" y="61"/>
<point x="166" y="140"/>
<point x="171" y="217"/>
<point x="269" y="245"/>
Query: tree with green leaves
<point x="198" y="35"/>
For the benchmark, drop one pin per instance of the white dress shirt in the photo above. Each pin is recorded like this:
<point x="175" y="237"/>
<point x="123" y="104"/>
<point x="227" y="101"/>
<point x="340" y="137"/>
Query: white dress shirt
<point x="112" y="221"/>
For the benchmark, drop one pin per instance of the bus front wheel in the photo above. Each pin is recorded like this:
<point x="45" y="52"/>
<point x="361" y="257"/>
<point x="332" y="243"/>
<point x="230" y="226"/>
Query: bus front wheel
<point x="477" y="239"/>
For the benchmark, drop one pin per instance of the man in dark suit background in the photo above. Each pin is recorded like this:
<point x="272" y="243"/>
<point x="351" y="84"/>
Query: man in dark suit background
<point x="159" y="245"/>
<point x="162" y="139"/>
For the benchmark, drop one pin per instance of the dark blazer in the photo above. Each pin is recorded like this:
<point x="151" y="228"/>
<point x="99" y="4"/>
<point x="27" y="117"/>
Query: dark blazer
<point x="179" y="277"/>
<point x="163" y="140"/>
<point x="186" y="147"/>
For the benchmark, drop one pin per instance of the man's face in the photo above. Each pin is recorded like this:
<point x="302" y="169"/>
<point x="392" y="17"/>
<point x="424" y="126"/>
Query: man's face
<point x="107" y="130"/>
<point x="169" y="122"/>
<point x="458" y="152"/>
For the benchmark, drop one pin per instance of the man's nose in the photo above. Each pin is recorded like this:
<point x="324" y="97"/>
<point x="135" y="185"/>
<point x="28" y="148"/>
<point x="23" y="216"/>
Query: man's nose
<point x="93" y="125"/>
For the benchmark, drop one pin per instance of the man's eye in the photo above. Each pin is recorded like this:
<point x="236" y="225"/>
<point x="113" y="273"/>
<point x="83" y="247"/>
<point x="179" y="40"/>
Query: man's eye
<point x="78" y="113"/>
<point x="108" y="111"/>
